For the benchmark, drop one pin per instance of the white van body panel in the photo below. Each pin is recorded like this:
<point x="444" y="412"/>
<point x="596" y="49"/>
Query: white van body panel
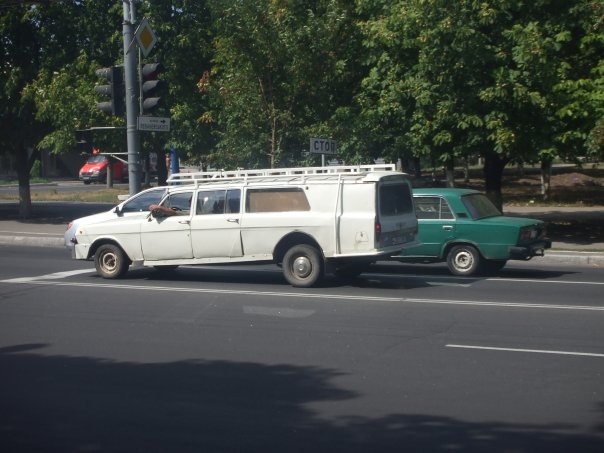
<point x="134" y="206"/>
<point x="349" y="217"/>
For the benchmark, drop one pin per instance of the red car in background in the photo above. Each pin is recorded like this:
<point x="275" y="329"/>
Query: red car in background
<point x="95" y="169"/>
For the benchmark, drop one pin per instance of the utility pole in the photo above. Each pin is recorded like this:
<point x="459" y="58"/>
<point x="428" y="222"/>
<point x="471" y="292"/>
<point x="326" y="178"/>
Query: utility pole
<point x="131" y="88"/>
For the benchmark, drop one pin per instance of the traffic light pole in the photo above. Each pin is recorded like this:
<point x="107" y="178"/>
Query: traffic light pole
<point x="130" y="73"/>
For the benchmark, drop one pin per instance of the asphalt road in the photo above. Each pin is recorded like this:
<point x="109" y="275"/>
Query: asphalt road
<point x="232" y="359"/>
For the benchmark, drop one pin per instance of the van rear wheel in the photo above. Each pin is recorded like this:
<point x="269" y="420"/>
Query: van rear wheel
<point x="302" y="266"/>
<point x="110" y="261"/>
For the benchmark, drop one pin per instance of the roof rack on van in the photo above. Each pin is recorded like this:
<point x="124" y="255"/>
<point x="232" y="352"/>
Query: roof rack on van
<point x="204" y="176"/>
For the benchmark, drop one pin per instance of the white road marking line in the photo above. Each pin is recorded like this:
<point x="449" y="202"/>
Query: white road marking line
<point x="53" y="276"/>
<point x="445" y="281"/>
<point x="506" y="304"/>
<point x="30" y="233"/>
<point x="278" y="312"/>
<point x="47" y="280"/>
<point x="535" y="351"/>
<point x="528" y="280"/>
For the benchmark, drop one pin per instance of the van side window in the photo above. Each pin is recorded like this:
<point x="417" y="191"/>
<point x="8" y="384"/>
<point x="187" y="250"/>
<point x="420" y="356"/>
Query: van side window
<point x="210" y="202"/>
<point x="233" y="201"/>
<point x="276" y="200"/>
<point x="180" y="202"/>
<point x="432" y="208"/>
<point x="142" y="202"/>
<point x="218" y="201"/>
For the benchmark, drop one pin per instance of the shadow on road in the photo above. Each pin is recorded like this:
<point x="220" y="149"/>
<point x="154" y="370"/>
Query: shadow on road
<point x="55" y="403"/>
<point x="383" y="276"/>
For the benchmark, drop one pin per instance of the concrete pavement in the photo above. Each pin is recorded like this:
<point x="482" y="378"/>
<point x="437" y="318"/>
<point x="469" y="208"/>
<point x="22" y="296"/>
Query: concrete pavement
<point x="50" y="221"/>
<point x="47" y="225"/>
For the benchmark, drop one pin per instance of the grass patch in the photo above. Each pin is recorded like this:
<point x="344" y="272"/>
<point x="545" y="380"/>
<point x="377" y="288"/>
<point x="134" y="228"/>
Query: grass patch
<point x="96" y="196"/>
<point x="14" y="182"/>
<point x="91" y="196"/>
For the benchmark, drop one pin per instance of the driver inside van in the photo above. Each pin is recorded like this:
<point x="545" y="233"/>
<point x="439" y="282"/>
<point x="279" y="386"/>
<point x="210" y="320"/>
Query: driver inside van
<point x="175" y="204"/>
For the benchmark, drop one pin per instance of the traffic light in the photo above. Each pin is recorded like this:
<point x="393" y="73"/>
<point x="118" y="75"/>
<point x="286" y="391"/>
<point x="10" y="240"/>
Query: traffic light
<point x="115" y="90"/>
<point x="84" y="141"/>
<point x="151" y="85"/>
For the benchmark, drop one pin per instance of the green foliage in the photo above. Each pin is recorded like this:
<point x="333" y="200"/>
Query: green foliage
<point x="184" y="33"/>
<point x="456" y="78"/>
<point x="281" y="69"/>
<point x="249" y="82"/>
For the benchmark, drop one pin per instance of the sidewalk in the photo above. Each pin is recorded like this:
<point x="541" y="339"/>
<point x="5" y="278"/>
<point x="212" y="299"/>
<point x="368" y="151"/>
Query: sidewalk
<point x="51" y="218"/>
<point x="48" y="224"/>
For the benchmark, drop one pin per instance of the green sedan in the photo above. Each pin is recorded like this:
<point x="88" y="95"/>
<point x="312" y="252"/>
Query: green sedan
<point x="464" y="229"/>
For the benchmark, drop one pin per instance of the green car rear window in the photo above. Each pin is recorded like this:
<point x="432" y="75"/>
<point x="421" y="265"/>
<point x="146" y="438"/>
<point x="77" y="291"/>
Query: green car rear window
<point x="434" y="208"/>
<point x="479" y="206"/>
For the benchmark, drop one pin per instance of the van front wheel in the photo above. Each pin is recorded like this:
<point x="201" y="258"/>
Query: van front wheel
<point x="302" y="266"/>
<point x="110" y="261"/>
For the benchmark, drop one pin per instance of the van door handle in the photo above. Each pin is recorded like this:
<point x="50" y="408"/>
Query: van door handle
<point x="185" y="222"/>
<point x="447" y="228"/>
<point x="233" y="220"/>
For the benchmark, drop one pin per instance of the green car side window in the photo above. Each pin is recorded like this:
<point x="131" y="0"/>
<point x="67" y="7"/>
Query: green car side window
<point x="435" y="208"/>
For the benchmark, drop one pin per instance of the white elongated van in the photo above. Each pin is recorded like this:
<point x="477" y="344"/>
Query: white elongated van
<point x="310" y="221"/>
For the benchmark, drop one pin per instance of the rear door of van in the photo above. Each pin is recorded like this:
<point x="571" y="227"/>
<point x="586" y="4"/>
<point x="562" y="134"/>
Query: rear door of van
<point x="396" y="222"/>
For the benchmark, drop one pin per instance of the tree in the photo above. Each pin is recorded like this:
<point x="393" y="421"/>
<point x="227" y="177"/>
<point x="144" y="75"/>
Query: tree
<point x="19" y="129"/>
<point x="184" y="33"/>
<point x="454" y="78"/>
<point x="49" y="53"/>
<point x="580" y="89"/>
<point x="280" y="71"/>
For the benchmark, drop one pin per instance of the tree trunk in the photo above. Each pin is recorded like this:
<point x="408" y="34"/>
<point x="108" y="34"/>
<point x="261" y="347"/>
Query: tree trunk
<point x="162" y="168"/>
<point x="24" y="161"/>
<point x="466" y="170"/>
<point x="546" y="176"/>
<point x="450" y="173"/>
<point x="411" y="166"/>
<point x="493" y="177"/>
<point x="520" y="169"/>
<point x="273" y="142"/>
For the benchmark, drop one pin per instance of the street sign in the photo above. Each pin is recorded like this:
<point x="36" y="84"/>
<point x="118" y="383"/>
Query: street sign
<point x="323" y="146"/>
<point x="145" y="37"/>
<point x="153" y="123"/>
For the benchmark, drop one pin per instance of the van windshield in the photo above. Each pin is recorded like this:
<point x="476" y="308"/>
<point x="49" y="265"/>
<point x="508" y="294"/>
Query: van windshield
<point x="395" y="199"/>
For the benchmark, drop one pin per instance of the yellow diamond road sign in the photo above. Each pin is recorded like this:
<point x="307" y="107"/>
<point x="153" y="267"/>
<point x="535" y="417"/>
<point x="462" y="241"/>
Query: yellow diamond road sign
<point x="145" y="37"/>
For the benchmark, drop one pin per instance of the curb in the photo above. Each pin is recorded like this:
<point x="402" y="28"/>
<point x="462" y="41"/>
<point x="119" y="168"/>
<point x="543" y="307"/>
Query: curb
<point x="583" y="258"/>
<point x="32" y="241"/>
